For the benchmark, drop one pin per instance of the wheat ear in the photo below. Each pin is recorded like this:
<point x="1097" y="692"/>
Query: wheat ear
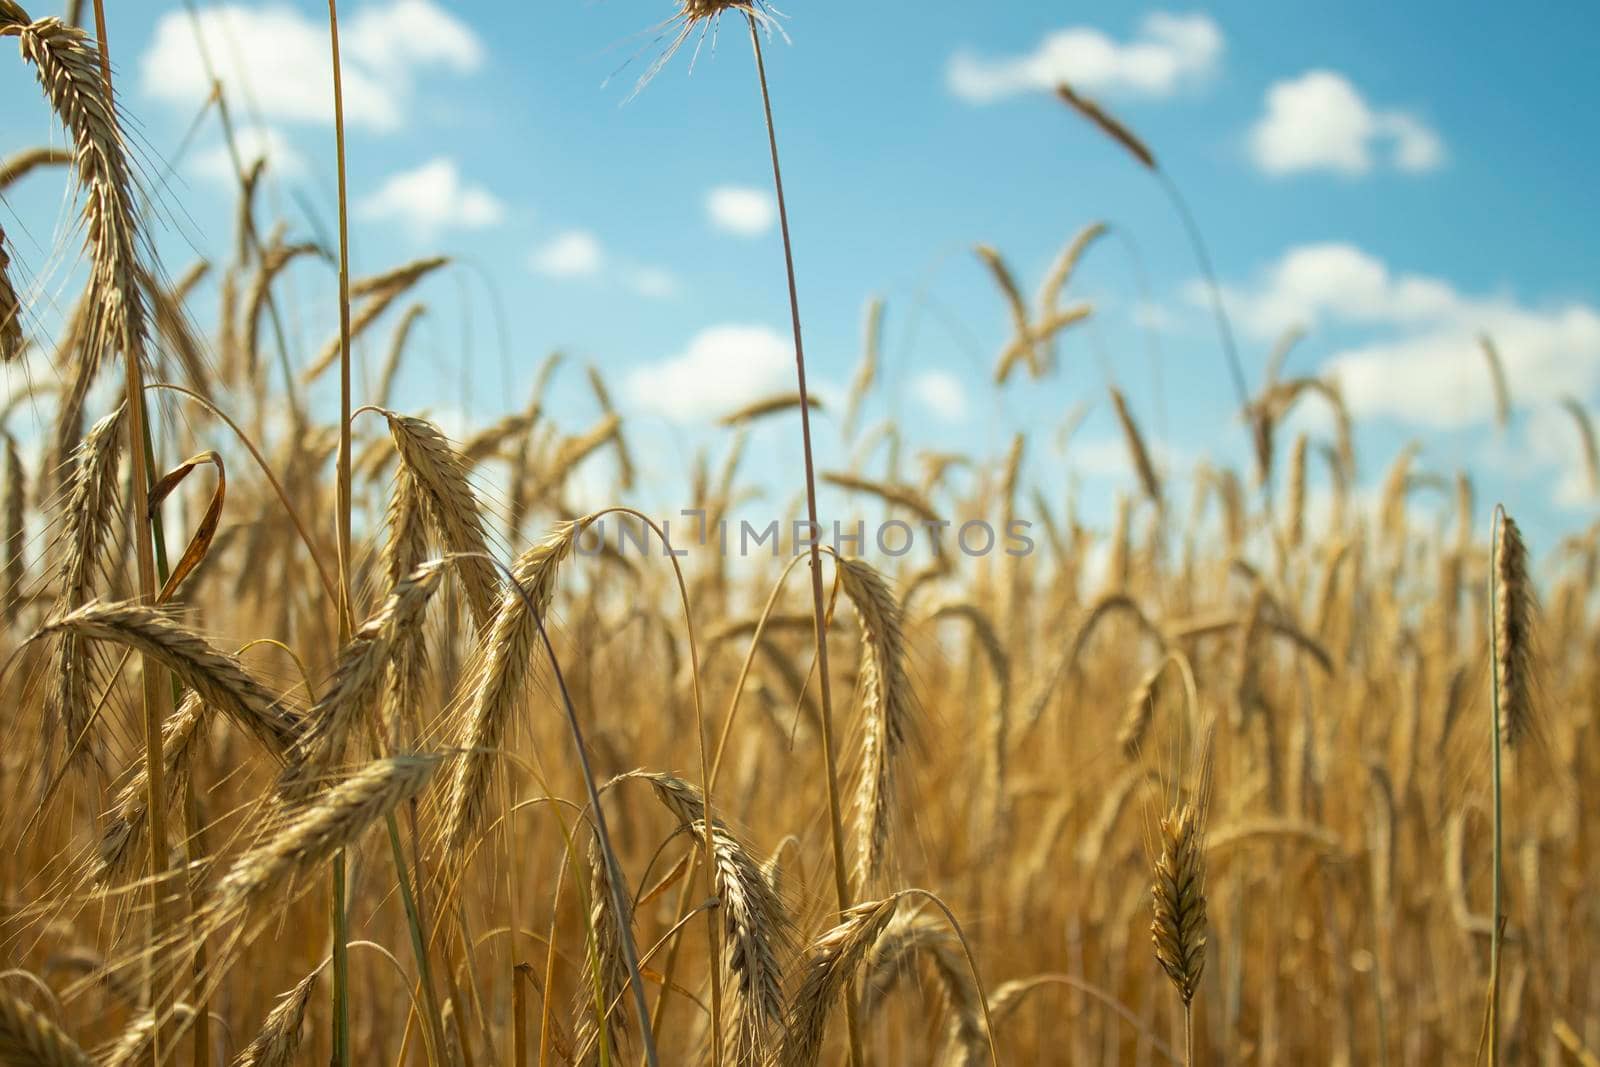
<point x="27" y="1038"/>
<point x="886" y="710"/>
<point x="498" y="684"/>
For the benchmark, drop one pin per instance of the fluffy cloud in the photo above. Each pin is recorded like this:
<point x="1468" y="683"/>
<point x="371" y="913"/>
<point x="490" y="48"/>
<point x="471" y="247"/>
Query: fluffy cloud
<point x="1319" y="121"/>
<point x="723" y="368"/>
<point x="651" y="281"/>
<point x="278" y="58"/>
<point x="253" y="142"/>
<point x="574" y="254"/>
<point x="1423" y="362"/>
<point x="740" y="210"/>
<point x="942" y="394"/>
<point x="431" y="198"/>
<point x="1168" y="52"/>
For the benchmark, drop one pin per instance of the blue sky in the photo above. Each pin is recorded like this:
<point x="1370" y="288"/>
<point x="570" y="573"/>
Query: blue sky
<point x="1396" y="178"/>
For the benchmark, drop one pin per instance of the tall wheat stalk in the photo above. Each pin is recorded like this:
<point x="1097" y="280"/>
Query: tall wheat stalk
<point x="830" y="757"/>
<point x="341" y="934"/>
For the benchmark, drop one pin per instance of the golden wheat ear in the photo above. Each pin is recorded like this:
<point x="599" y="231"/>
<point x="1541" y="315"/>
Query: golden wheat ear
<point x="1178" y="898"/>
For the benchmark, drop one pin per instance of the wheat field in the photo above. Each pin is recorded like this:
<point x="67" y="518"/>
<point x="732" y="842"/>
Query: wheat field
<point x="330" y="738"/>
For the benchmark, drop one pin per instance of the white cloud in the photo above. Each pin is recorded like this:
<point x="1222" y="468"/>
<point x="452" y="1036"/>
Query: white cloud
<point x="1423" y="362"/>
<point x="651" y="281"/>
<point x="278" y="59"/>
<point x="722" y="368"/>
<point x="941" y="394"/>
<point x="741" y="210"/>
<point x="253" y="142"/>
<point x="431" y="198"/>
<point x="1168" y="52"/>
<point x="1319" y="121"/>
<point x="574" y="254"/>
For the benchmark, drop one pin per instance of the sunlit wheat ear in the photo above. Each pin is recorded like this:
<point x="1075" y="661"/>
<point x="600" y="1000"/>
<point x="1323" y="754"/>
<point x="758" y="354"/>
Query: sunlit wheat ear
<point x="278" y="1043"/>
<point x="1140" y="713"/>
<point x="833" y="960"/>
<point x="498" y="686"/>
<point x="27" y="1038"/>
<point x="306" y="840"/>
<point x="894" y="957"/>
<point x="1586" y="435"/>
<point x="357" y="679"/>
<point x="761" y="407"/>
<point x="92" y="506"/>
<point x="1497" y="380"/>
<point x="10" y="308"/>
<point x="275" y="259"/>
<point x="887" y="713"/>
<point x="1108" y="124"/>
<point x="19" y="165"/>
<point x="1178" y="898"/>
<point x="134" y="1046"/>
<point x="216" y="677"/>
<point x="122" y="844"/>
<point x="1295" y="531"/>
<point x="1055" y="282"/>
<point x="701" y="18"/>
<point x="605" y="972"/>
<point x="380" y="292"/>
<point x="866" y="372"/>
<point x="1148" y="480"/>
<point x="1513" y="632"/>
<point x="68" y="65"/>
<point x="755" y="923"/>
<point x="443" y="476"/>
<point x="407" y="680"/>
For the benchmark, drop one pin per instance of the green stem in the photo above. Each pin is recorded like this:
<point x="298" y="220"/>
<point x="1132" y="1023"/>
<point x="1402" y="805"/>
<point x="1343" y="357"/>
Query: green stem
<point x="419" y="949"/>
<point x="835" y="811"/>
<point x="1494" y="734"/>
<point x="341" y="959"/>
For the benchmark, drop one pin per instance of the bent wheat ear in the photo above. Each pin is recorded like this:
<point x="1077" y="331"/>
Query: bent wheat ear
<point x="1061" y="271"/>
<point x="307" y="840"/>
<point x="1108" y="124"/>
<point x="894" y="956"/>
<point x="442" y="475"/>
<point x="358" y="678"/>
<point x="755" y="922"/>
<point x="886" y="707"/>
<point x="216" y="677"/>
<point x="122" y="845"/>
<point x="1497" y="379"/>
<point x="1178" y="899"/>
<point x="278" y="1043"/>
<point x="27" y="1038"/>
<point x="834" y="958"/>
<point x="505" y="667"/>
